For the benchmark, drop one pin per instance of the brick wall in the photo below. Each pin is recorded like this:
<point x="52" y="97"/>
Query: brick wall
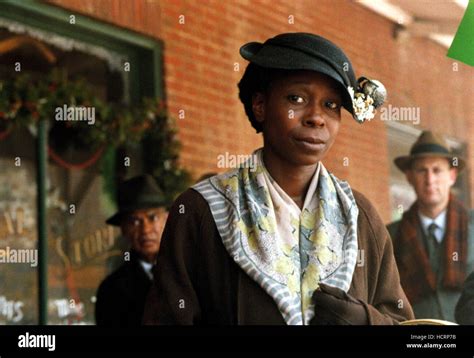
<point x="200" y="78"/>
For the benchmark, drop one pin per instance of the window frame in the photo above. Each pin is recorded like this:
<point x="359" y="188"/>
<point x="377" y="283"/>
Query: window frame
<point x="144" y="54"/>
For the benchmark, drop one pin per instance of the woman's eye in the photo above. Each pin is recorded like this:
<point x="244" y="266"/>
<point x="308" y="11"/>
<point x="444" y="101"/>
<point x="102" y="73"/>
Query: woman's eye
<point x="296" y="99"/>
<point x="332" y="105"/>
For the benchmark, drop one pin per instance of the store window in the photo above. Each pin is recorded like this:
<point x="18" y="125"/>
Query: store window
<point x="118" y="67"/>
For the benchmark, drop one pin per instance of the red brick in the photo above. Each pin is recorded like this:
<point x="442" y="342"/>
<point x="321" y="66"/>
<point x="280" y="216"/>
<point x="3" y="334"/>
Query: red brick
<point x="199" y="76"/>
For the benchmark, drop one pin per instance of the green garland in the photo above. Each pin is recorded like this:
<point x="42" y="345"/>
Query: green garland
<point x="24" y="100"/>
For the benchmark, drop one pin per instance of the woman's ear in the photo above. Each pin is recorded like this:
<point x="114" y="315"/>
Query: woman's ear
<point x="258" y="106"/>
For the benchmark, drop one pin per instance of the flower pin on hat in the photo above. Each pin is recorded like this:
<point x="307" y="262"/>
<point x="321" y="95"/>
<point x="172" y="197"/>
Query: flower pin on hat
<point x="370" y="95"/>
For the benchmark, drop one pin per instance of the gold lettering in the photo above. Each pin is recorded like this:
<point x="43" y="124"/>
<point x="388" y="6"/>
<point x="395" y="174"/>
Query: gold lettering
<point x="92" y="247"/>
<point x="112" y="236"/>
<point x="99" y="241"/>
<point x="15" y="221"/>
<point x="77" y="252"/>
<point x="61" y="253"/>
<point x="20" y="215"/>
<point x="89" y="247"/>
<point x="9" y="222"/>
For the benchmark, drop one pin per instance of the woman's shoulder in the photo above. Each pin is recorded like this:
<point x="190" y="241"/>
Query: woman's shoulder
<point x="364" y="203"/>
<point x="189" y="210"/>
<point x="192" y="200"/>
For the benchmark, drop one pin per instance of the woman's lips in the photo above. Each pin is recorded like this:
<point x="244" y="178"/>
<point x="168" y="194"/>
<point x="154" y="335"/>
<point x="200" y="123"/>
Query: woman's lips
<point x="310" y="143"/>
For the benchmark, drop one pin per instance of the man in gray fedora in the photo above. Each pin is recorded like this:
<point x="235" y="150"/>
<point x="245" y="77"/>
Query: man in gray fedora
<point x="142" y="214"/>
<point x="434" y="239"/>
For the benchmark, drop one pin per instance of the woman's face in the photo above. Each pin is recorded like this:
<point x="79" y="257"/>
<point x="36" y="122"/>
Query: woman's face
<point x="300" y="116"/>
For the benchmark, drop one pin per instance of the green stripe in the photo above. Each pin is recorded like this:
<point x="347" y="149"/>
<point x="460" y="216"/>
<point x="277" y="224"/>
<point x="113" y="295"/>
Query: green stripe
<point x="462" y="48"/>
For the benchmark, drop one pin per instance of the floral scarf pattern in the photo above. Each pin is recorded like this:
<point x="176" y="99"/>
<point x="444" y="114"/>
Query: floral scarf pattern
<point x="288" y="251"/>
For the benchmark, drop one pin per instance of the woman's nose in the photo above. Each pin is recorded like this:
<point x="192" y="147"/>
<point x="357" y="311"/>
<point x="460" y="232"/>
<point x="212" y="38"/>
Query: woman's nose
<point x="314" y="116"/>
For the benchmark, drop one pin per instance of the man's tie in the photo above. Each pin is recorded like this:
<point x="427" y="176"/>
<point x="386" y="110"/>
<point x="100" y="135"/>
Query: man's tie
<point x="152" y="271"/>
<point x="434" y="248"/>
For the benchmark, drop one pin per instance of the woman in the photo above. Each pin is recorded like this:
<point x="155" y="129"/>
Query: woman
<point x="277" y="242"/>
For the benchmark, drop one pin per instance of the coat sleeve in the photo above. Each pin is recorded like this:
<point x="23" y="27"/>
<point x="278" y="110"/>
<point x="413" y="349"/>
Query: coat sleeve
<point x="172" y="299"/>
<point x="465" y="307"/>
<point x="109" y="310"/>
<point x="387" y="303"/>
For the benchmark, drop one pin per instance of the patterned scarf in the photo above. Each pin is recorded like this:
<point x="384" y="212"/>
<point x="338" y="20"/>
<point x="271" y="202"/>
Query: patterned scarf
<point x="288" y="251"/>
<point x="417" y="277"/>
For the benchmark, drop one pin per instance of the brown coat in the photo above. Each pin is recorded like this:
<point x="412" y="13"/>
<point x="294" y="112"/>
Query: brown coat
<point x="197" y="282"/>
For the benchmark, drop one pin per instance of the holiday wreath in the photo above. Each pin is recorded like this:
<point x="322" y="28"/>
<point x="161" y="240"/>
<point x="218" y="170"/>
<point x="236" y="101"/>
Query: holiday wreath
<point x="77" y="118"/>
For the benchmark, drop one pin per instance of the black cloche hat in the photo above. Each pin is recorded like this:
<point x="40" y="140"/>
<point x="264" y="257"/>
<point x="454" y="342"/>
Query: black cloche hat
<point x="305" y="51"/>
<point x="140" y="192"/>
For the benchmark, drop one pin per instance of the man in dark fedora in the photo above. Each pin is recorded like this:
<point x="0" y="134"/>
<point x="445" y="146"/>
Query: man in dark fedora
<point x="433" y="240"/>
<point x="141" y="217"/>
